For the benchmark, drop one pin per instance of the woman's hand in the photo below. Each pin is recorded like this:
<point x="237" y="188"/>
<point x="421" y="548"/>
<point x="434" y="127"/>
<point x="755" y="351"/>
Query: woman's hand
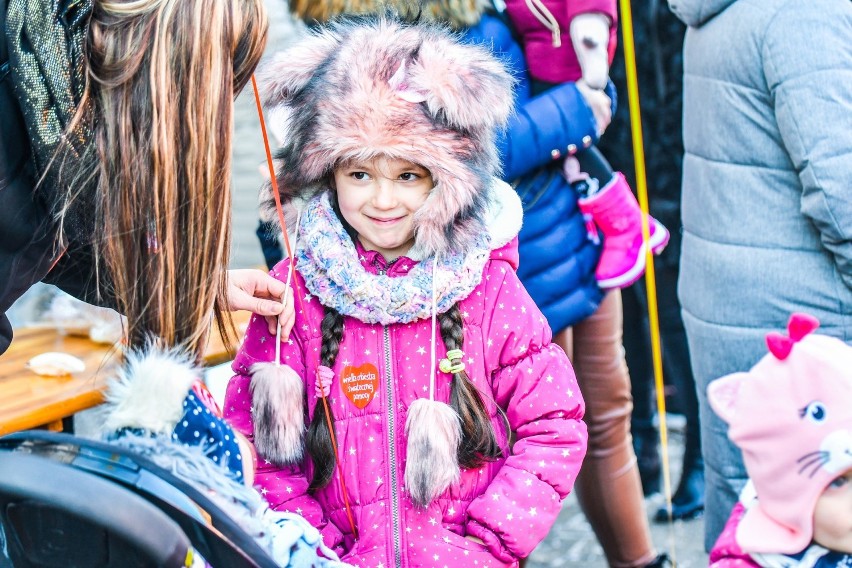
<point x="599" y="102"/>
<point x="258" y="292"/>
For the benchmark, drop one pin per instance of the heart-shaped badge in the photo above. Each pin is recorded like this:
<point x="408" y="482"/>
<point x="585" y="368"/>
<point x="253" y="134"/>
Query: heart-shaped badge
<point x="360" y="384"/>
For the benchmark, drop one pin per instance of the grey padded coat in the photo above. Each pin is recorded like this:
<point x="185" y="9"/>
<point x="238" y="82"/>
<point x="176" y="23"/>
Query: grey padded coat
<point x="767" y="190"/>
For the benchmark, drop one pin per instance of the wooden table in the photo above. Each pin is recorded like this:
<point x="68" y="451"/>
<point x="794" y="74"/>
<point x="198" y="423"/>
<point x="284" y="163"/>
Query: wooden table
<point x="29" y="401"/>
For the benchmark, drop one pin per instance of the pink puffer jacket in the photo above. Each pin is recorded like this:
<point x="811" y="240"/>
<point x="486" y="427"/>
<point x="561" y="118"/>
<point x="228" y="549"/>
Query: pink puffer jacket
<point x="726" y="552"/>
<point x="546" y="61"/>
<point x="509" y="504"/>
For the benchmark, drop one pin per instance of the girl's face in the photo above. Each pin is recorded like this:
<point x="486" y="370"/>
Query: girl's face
<point x="833" y="515"/>
<point x="378" y="198"/>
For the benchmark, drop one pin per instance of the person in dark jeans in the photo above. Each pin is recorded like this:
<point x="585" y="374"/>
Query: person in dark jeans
<point x="660" y="70"/>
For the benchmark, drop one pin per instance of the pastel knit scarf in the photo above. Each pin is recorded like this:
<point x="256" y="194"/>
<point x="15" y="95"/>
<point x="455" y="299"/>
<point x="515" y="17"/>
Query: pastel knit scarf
<point x="327" y="259"/>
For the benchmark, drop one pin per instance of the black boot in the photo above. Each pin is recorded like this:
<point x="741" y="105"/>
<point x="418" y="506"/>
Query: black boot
<point x="647" y="457"/>
<point x="660" y="561"/>
<point x="688" y="500"/>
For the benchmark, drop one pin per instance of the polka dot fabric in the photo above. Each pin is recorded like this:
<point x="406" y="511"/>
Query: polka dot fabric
<point x="199" y="426"/>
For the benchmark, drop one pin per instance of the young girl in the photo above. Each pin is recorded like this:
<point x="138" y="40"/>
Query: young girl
<point x="790" y="416"/>
<point x="574" y="41"/>
<point x="418" y="351"/>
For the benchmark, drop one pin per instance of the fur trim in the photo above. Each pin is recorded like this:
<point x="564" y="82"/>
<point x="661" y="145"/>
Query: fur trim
<point x="505" y="214"/>
<point x="277" y="411"/>
<point x="345" y="93"/>
<point x="433" y="430"/>
<point x="149" y="390"/>
<point x="456" y="13"/>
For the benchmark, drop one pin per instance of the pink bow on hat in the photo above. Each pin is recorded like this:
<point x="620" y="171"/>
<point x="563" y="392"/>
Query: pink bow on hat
<point x="798" y="327"/>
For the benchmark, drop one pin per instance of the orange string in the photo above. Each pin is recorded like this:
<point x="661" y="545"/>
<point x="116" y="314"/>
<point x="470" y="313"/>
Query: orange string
<point x="339" y="468"/>
<point x="298" y="295"/>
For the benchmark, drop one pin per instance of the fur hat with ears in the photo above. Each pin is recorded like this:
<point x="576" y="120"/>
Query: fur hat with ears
<point x="364" y="87"/>
<point x="790" y="415"/>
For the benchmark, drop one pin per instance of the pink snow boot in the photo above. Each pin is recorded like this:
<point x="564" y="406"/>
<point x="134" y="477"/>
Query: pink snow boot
<point x="616" y="213"/>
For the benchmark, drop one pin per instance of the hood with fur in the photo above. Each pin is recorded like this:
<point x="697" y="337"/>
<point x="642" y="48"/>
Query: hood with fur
<point x="456" y="13"/>
<point x="366" y="87"/>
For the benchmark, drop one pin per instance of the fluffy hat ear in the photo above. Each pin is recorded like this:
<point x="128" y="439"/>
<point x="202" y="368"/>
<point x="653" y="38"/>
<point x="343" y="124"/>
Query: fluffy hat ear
<point x="722" y="395"/>
<point x="289" y="71"/>
<point x="463" y="85"/>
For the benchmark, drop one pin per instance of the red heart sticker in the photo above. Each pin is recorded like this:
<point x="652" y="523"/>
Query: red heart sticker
<point x="360" y="384"/>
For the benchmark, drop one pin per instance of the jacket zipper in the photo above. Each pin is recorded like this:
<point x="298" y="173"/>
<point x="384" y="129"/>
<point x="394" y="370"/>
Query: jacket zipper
<point x="397" y="545"/>
<point x="397" y="556"/>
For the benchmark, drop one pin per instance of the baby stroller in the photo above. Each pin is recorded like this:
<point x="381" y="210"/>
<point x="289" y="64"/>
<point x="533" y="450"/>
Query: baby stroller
<point x="72" y="502"/>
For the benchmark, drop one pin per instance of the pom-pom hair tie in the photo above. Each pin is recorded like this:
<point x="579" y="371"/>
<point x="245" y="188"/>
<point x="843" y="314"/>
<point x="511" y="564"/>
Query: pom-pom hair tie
<point x="324" y="378"/>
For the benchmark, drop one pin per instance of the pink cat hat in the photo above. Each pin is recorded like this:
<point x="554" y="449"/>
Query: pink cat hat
<point x="791" y="415"/>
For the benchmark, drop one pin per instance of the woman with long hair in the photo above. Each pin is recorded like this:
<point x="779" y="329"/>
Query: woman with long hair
<point x="118" y="187"/>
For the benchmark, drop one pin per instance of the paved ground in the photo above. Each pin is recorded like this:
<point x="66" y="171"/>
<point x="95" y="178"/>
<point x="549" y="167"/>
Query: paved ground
<point x="571" y="542"/>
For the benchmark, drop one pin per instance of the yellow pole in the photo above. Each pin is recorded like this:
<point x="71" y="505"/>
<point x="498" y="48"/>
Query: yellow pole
<point x="650" y="279"/>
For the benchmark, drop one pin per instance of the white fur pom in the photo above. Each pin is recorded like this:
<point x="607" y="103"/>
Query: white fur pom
<point x="149" y="390"/>
<point x="277" y="394"/>
<point x="434" y="432"/>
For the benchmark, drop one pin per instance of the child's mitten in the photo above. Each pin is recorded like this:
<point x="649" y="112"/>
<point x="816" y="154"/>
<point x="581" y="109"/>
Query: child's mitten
<point x="590" y="36"/>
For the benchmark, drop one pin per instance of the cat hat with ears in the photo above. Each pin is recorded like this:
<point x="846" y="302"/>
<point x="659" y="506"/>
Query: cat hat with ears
<point x="791" y="416"/>
<point x="362" y="87"/>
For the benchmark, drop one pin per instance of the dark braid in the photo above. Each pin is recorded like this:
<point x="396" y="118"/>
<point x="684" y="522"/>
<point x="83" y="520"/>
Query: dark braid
<point x="318" y="438"/>
<point x="478" y="443"/>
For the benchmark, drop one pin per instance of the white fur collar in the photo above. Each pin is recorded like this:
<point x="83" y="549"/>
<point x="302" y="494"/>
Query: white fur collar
<point x="504" y="215"/>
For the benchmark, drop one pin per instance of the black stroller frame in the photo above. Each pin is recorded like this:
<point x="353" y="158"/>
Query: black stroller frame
<point x="68" y="502"/>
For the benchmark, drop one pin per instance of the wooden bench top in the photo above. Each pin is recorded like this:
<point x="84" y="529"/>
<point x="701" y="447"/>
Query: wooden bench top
<point x="28" y="400"/>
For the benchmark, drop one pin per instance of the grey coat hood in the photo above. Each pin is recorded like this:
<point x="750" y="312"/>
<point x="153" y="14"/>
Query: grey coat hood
<point x="695" y="12"/>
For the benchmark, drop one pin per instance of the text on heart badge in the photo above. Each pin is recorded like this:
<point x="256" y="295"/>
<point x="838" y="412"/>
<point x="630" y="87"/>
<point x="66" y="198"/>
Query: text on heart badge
<point x="360" y="383"/>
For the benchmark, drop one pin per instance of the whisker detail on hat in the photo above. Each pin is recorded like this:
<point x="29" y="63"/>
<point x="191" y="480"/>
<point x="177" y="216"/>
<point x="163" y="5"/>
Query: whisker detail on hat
<point x="813" y="461"/>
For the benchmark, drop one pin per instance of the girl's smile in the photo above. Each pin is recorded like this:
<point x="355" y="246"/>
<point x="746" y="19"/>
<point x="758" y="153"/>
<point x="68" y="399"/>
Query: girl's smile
<point x="379" y="198"/>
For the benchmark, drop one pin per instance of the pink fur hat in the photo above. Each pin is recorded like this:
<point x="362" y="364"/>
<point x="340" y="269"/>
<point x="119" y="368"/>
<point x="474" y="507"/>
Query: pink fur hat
<point x="364" y="87"/>
<point x="792" y="418"/>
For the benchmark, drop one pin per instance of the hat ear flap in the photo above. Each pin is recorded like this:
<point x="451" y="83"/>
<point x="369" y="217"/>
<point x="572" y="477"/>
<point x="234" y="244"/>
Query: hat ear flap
<point x="289" y="71"/>
<point x="464" y="84"/>
<point x="722" y="395"/>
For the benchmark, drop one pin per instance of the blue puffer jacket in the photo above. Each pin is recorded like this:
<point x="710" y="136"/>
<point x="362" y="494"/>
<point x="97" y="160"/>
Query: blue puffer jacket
<point x="557" y="259"/>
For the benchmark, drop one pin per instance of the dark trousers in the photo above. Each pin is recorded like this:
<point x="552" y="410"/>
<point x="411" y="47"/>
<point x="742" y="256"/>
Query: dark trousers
<point x="675" y="351"/>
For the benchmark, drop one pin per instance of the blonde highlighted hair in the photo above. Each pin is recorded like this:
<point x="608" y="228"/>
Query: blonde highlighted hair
<point x="161" y="80"/>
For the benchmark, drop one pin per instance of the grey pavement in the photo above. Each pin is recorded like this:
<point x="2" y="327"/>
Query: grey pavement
<point x="571" y="542"/>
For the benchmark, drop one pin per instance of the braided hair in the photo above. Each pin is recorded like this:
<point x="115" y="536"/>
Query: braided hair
<point x="318" y="438"/>
<point x="478" y="442"/>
